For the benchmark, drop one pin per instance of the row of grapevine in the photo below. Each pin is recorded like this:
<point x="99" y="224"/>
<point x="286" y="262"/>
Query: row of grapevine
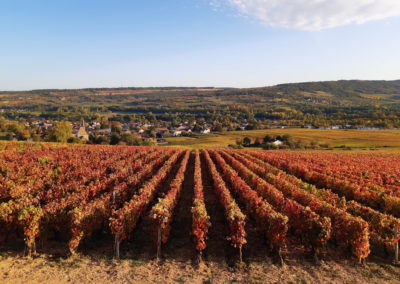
<point x="382" y="226"/>
<point x="25" y="211"/>
<point x="87" y="218"/>
<point x="268" y="220"/>
<point x="66" y="177"/>
<point x="200" y="218"/>
<point x="57" y="213"/>
<point x="368" y="196"/>
<point x="346" y="228"/>
<point x="236" y="219"/>
<point x="305" y="223"/>
<point x="124" y="220"/>
<point x="162" y="212"/>
<point x="378" y="171"/>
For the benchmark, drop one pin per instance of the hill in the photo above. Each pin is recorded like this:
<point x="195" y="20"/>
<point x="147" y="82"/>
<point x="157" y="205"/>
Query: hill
<point x="356" y="103"/>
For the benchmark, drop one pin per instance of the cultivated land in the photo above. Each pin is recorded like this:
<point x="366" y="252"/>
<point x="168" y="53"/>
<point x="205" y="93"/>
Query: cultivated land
<point x="359" y="139"/>
<point x="292" y="216"/>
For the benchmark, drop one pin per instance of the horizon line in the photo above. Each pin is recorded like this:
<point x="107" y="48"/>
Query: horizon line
<point x="190" y="87"/>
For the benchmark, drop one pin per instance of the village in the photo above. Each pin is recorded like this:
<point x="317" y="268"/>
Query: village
<point x="97" y="132"/>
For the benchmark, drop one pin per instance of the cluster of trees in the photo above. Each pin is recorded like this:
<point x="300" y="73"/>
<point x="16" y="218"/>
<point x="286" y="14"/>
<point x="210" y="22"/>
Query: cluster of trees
<point x="117" y="139"/>
<point x="19" y="130"/>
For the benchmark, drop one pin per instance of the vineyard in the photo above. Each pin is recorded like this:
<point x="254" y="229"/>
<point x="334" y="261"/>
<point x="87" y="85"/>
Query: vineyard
<point x="316" y="200"/>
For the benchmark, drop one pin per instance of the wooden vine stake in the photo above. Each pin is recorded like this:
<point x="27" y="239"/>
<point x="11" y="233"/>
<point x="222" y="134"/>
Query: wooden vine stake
<point x="396" y="253"/>
<point x="281" y="262"/>
<point x="199" y="257"/>
<point x="117" y="245"/>
<point x="34" y="246"/>
<point x="159" y="243"/>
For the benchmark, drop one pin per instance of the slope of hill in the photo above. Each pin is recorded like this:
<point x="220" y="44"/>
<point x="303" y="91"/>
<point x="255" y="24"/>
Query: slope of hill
<point x="372" y="103"/>
<point x="356" y="92"/>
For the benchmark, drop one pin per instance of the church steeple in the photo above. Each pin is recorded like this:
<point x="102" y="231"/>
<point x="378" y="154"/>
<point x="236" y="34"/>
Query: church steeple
<point x="82" y="132"/>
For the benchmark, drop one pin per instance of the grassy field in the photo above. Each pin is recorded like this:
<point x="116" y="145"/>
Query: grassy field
<point x="387" y="139"/>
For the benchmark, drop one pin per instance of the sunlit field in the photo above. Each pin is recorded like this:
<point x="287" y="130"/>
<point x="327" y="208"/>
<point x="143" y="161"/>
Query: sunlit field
<point x="380" y="139"/>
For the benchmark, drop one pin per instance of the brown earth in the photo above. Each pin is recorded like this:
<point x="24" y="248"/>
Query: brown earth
<point x="99" y="268"/>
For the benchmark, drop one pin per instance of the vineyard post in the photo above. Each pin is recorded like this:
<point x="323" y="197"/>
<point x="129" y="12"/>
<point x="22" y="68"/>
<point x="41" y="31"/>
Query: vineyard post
<point x="159" y="242"/>
<point x="200" y="256"/>
<point x="396" y="232"/>
<point x="117" y="245"/>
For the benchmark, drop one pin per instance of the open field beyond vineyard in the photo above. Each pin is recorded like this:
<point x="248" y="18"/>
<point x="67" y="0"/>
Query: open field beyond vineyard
<point x="158" y="214"/>
<point x="387" y="140"/>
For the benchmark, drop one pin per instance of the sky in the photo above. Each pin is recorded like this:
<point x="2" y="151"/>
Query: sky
<point x="222" y="43"/>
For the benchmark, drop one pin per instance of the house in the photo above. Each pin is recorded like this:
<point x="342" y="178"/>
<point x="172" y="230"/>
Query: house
<point x="205" y="130"/>
<point x="160" y="132"/>
<point x="184" y="128"/>
<point x="106" y="131"/>
<point x="276" y="143"/>
<point x="176" y="132"/>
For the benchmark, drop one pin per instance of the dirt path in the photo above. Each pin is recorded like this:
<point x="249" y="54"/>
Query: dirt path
<point x="180" y="245"/>
<point x="218" y="248"/>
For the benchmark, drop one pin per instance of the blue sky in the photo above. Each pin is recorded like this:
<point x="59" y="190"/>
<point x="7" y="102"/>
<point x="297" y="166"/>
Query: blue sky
<point x="120" y="43"/>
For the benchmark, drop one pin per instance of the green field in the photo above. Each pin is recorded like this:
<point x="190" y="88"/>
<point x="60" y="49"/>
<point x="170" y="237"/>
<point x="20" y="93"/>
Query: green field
<point x="385" y="139"/>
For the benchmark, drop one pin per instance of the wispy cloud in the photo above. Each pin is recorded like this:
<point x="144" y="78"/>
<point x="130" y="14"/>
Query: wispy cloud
<point x="313" y="14"/>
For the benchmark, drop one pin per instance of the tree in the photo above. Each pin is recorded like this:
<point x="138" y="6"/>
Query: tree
<point x="131" y="140"/>
<point x="218" y="127"/>
<point x="115" y="138"/>
<point x="246" y="141"/>
<point x="61" y="132"/>
<point x="287" y="138"/>
<point x="268" y="138"/>
<point x="75" y="140"/>
<point x="116" y="126"/>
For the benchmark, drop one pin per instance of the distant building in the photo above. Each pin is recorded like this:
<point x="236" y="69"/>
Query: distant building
<point x="160" y="132"/>
<point x="106" y="131"/>
<point x="276" y="143"/>
<point x="205" y="130"/>
<point x="184" y="128"/>
<point x="176" y="132"/>
<point x="81" y="133"/>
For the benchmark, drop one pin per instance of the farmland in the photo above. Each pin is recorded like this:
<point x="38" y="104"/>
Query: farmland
<point x="380" y="139"/>
<point x="215" y="214"/>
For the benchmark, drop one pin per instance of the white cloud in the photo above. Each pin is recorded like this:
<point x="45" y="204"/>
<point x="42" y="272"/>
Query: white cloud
<point x="313" y="14"/>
